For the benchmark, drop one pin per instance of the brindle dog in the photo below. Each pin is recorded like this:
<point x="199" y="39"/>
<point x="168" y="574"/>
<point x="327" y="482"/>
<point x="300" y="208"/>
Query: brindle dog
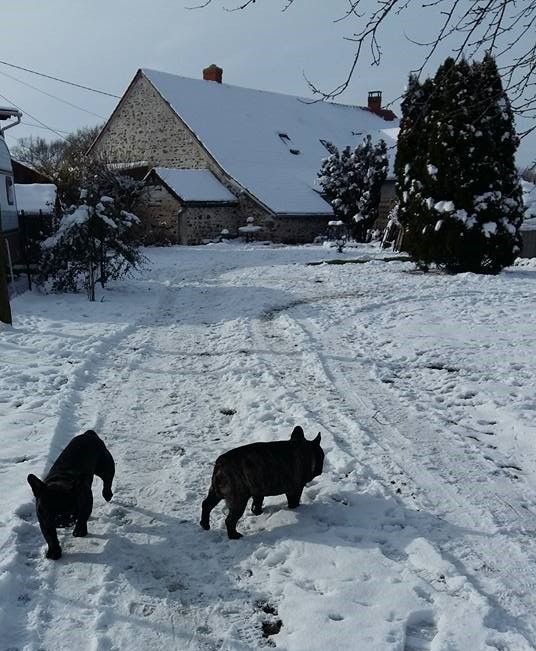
<point x="64" y="498"/>
<point x="261" y="469"/>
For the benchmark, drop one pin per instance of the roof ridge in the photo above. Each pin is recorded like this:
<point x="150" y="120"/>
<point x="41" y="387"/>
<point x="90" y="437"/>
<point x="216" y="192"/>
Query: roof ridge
<point x="305" y="100"/>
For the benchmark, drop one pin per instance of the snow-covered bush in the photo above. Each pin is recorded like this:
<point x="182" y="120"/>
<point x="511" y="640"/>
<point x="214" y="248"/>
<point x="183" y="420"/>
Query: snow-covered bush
<point x="94" y="241"/>
<point x="352" y="182"/>
<point x="458" y="187"/>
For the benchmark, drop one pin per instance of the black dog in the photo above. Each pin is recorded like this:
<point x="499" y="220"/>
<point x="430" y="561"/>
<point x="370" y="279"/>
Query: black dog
<point x="65" y="497"/>
<point x="261" y="469"/>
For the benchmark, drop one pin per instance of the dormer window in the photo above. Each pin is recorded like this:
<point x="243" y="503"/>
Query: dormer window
<point x="284" y="137"/>
<point x="294" y="151"/>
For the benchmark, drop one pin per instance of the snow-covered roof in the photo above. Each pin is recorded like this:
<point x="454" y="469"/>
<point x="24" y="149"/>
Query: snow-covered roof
<point x="269" y="142"/>
<point x="35" y="197"/>
<point x="195" y="185"/>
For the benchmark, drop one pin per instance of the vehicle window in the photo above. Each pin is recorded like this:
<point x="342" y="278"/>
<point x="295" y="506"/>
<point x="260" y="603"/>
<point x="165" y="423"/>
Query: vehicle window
<point x="9" y="191"/>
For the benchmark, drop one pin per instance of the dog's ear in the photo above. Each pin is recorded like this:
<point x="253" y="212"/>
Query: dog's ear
<point x="317" y="439"/>
<point x="297" y="434"/>
<point x="37" y="485"/>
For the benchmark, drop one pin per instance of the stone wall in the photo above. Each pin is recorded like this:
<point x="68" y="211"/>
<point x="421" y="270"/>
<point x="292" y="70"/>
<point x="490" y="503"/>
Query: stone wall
<point x="198" y="223"/>
<point x="165" y="220"/>
<point x="145" y="128"/>
<point x="293" y="229"/>
<point x="158" y="212"/>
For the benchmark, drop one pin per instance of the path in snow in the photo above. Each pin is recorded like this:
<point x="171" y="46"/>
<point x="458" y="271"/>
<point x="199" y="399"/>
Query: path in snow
<point x="417" y="536"/>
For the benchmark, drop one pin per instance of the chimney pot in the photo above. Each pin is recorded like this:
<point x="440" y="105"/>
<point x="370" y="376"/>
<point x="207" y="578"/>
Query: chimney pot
<point x="213" y="73"/>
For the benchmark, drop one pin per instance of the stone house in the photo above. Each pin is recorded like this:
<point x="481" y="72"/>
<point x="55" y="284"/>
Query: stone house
<point x="214" y="155"/>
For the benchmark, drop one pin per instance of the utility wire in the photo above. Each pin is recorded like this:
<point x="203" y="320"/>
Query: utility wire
<point x="63" y="81"/>
<point x="33" y="117"/>
<point x="39" y="90"/>
<point x="38" y="126"/>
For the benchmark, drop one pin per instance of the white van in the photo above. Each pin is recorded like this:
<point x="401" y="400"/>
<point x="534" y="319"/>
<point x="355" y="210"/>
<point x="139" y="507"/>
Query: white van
<point x="8" y="204"/>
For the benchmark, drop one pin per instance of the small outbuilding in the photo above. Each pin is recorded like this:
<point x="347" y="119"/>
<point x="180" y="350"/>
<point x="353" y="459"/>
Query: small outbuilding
<point x="187" y="206"/>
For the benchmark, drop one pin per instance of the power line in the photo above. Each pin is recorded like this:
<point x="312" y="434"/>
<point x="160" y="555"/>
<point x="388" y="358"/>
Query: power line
<point x="64" y="101"/>
<point x="38" y="126"/>
<point x="32" y="116"/>
<point x="63" y="81"/>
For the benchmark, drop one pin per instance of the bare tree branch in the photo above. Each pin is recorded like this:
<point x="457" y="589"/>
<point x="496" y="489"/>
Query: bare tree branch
<point x="504" y="28"/>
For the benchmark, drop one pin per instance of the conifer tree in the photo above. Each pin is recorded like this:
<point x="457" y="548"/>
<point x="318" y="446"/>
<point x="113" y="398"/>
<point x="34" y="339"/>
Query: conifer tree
<point x="371" y="166"/>
<point x="351" y="181"/>
<point x="462" y="209"/>
<point x="410" y="162"/>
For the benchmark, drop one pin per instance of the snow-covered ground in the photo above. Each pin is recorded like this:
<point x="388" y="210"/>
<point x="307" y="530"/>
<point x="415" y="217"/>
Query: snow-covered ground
<point x="420" y="534"/>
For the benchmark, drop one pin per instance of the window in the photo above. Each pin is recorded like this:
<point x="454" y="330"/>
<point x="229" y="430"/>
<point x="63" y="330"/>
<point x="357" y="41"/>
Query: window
<point x="9" y="191"/>
<point x="286" y="139"/>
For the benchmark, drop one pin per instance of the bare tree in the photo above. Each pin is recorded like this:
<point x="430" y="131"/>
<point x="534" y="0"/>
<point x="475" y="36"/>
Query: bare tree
<point x="504" y="28"/>
<point x="61" y="160"/>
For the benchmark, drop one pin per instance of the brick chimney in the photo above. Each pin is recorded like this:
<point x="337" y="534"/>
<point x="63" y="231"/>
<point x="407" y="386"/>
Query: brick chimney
<point x="213" y="73"/>
<point x="375" y="106"/>
<point x="375" y="101"/>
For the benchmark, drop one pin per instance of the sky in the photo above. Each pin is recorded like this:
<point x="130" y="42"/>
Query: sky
<point x="102" y="44"/>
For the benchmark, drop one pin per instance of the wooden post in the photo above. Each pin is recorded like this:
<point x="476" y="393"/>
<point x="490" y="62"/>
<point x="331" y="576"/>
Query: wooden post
<point x="5" y="309"/>
<point x="24" y="232"/>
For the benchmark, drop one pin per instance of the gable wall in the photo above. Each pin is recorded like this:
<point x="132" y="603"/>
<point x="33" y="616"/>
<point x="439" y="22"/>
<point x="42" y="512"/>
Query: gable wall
<point x="144" y="127"/>
<point x="158" y="214"/>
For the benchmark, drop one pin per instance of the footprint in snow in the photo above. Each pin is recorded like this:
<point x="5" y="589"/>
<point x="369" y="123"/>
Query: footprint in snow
<point x="421" y="630"/>
<point x="423" y="594"/>
<point x="335" y="617"/>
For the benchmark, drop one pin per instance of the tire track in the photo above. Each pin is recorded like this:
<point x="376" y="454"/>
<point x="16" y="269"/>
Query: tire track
<point x="392" y="445"/>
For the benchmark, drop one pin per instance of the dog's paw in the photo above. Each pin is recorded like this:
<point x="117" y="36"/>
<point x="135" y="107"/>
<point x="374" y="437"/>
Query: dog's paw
<point x="80" y="532"/>
<point x="256" y="510"/>
<point x="234" y="535"/>
<point x="205" y="525"/>
<point x="107" y="495"/>
<point x="53" y="554"/>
